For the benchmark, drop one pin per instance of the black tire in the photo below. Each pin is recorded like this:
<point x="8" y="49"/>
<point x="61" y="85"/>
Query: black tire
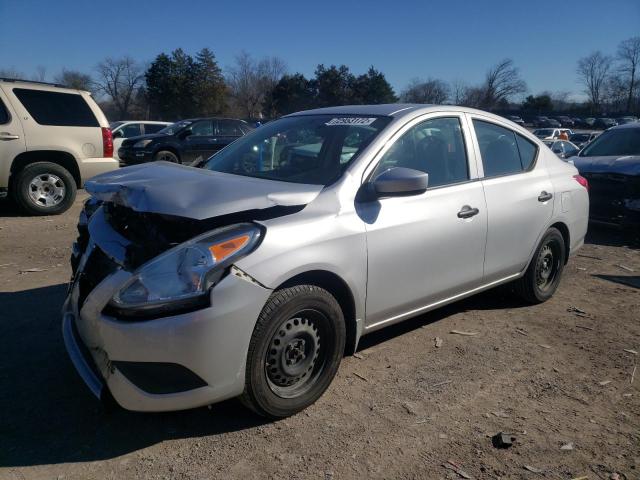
<point x="56" y="190"/>
<point x="542" y="277"/>
<point x="310" y="323"/>
<point x="167" y="156"/>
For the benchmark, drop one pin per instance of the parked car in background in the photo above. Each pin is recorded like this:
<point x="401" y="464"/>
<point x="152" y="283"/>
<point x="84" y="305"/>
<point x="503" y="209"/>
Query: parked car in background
<point x="625" y="120"/>
<point x="551" y="133"/>
<point x="51" y="140"/>
<point x="133" y="128"/>
<point x="565" y="121"/>
<point x="516" y="119"/>
<point x="540" y="121"/>
<point x="562" y="148"/>
<point x="604" y="123"/>
<point x="252" y="275"/>
<point x="580" y="139"/>
<point x="187" y="142"/>
<point x="611" y="163"/>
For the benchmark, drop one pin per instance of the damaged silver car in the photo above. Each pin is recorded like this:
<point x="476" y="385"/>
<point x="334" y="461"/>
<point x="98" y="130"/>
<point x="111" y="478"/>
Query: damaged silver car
<point x="251" y="276"/>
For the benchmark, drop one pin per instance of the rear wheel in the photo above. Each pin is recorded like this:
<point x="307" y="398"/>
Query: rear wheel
<point x="166" y="156"/>
<point x="295" y="351"/>
<point x="44" y="188"/>
<point x="542" y="277"/>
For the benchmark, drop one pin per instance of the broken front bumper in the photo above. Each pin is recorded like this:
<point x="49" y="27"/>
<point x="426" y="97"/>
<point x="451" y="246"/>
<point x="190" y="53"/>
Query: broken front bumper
<point x="174" y="362"/>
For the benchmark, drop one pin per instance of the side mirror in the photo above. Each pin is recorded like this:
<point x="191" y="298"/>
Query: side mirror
<point x="399" y="181"/>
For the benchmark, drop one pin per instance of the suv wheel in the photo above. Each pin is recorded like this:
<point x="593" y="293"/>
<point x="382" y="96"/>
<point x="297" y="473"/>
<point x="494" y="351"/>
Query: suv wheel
<point x="542" y="277"/>
<point x="44" y="188"/>
<point x="295" y="351"/>
<point x="166" y="156"/>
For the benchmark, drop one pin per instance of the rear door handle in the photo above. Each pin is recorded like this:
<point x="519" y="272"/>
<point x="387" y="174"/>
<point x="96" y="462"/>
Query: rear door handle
<point x="545" y="196"/>
<point x="8" y="136"/>
<point x="468" y="212"/>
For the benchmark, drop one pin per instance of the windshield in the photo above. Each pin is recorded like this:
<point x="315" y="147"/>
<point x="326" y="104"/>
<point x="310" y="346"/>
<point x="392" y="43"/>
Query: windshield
<point x="618" y="142"/>
<point x="579" y="137"/>
<point x="175" y="127"/>
<point x="312" y="149"/>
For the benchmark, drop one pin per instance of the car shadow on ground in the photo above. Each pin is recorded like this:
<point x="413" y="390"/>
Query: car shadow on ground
<point x="50" y="417"/>
<point x="613" y="237"/>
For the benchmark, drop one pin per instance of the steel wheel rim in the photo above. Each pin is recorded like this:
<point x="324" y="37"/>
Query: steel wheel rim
<point x="295" y="357"/>
<point x="46" y="190"/>
<point x="547" y="265"/>
<point x="166" y="157"/>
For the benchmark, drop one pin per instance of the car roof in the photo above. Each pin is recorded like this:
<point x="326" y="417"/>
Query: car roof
<point x="626" y="125"/>
<point x="35" y="85"/>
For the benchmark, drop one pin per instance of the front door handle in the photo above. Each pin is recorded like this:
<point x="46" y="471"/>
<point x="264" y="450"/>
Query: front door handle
<point x="8" y="136"/>
<point x="468" y="212"/>
<point x="545" y="196"/>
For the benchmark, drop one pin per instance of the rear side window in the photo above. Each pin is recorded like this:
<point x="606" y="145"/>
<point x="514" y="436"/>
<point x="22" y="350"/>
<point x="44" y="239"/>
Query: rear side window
<point x="56" y="108"/>
<point x="503" y="151"/>
<point x="4" y="115"/>
<point x="230" y="128"/>
<point x="527" y="151"/>
<point x="132" y="130"/>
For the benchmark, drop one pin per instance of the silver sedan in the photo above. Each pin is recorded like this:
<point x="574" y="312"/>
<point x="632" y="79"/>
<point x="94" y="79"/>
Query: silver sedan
<point x="252" y="275"/>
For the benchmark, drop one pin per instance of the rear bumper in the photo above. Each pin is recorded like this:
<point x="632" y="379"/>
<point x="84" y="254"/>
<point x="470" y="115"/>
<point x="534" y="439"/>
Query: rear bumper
<point x="90" y="167"/>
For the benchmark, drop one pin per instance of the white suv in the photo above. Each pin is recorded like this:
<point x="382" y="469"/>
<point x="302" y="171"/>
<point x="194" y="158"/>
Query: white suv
<point x="51" y="140"/>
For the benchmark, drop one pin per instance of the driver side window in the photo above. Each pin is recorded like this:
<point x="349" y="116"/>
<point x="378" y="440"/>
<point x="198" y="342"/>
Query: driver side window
<point x="202" y="129"/>
<point x="435" y="147"/>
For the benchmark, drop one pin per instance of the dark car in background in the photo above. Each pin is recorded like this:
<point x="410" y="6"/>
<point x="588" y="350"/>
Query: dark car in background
<point x="611" y="164"/>
<point x="546" y="122"/>
<point x="187" y="142"/>
<point x="566" y="121"/>
<point x="625" y="120"/>
<point x="516" y="119"/>
<point x="581" y="139"/>
<point x="604" y="123"/>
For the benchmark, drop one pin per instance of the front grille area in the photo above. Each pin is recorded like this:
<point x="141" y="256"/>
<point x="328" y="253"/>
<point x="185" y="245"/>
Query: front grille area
<point x="608" y="193"/>
<point x="97" y="268"/>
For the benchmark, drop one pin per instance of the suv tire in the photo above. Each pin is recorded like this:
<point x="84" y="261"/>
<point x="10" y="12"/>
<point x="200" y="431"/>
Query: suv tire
<point x="543" y="274"/>
<point x="295" y="351"/>
<point x="44" y="188"/>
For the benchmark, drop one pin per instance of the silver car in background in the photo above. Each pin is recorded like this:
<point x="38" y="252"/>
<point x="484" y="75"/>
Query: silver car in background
<point x="252" y="275"/>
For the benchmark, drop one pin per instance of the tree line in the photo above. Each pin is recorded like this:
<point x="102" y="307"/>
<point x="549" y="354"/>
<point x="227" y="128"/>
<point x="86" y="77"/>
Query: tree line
<point x="178" y="85"/>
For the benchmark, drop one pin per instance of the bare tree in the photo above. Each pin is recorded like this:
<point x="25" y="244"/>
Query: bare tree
<point x="250" y="81"/>
<point x="74" y="79"/>
<point x="501" y="83"/>
<point x="10" y="73"/>
<point x="629" y="57"/>
<point x="40" y="74"/>
<point x="593" y="71"/>
<point x="431" y="90"/>
<point x="458" y="91"/>
<point x="120" y="79"/>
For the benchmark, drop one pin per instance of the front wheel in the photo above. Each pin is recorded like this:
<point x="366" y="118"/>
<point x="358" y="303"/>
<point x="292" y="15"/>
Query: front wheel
<point x="542" y="277"/>
<point x="166" y="156"/>
<point x="295" y="351"/>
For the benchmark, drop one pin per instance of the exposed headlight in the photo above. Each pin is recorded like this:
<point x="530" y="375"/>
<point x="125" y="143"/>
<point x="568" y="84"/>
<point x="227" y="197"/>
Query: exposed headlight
<point x="180" y="278"/>
<point x="142" y="143"/>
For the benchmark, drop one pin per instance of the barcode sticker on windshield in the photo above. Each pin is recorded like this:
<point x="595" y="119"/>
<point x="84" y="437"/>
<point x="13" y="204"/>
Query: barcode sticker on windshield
<point x="350" y="121"/>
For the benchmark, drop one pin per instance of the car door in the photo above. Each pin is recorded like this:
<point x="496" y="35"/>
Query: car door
<point x="428" y="247"/>
<point x="199" y="142"/>
<point x="519" y="196"/>
<point x="12" y="140"/>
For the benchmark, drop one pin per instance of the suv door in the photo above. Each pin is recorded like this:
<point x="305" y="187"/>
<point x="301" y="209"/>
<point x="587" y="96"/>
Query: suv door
<point x="199" y="142"/>
<point x="12" y="141"/>
<point x="519" y="196"/>
<point x="425" y="248"/>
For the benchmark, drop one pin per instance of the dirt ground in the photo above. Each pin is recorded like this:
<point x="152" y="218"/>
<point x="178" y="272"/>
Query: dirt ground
<point x="560" y="381"/>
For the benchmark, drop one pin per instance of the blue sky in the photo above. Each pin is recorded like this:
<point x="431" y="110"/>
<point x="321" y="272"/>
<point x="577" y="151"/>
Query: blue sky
<point x="451" y="39"/>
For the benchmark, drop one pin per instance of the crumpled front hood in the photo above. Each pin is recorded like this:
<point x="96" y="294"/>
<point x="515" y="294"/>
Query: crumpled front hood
<point x="626" y="165"/>
<point x="171" y="189"/>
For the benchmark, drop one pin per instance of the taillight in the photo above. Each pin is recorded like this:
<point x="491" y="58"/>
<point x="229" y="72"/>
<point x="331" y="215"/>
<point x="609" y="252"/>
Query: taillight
<point x="107" y="142"/>
<point x="582" y="181"/>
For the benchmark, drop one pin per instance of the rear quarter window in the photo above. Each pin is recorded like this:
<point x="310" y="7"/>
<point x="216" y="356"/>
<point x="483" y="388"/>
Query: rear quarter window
<point x="57" y="108"/>
<point x="4" y="114"/>
<point x="528" y="152"/>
